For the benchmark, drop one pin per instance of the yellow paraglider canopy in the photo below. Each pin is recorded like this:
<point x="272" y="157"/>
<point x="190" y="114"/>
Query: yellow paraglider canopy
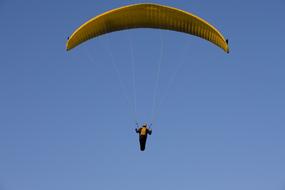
<point x="147" y="16"/>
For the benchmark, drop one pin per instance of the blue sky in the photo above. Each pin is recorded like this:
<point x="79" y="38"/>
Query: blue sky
<point x="65" y="122"/>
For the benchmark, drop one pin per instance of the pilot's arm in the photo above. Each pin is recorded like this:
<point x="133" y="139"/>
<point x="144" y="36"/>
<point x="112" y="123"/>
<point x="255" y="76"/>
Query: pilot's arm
<point x="138" y="130"/>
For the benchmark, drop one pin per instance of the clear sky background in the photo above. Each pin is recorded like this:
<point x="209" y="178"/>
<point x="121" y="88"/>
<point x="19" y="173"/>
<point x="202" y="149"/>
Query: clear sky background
<point x="65" y="122"/>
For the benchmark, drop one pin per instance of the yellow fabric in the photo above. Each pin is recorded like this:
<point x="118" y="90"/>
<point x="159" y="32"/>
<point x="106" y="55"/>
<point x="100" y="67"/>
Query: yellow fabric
<point x="143" y="131"/>
<point x="146" y="16"/>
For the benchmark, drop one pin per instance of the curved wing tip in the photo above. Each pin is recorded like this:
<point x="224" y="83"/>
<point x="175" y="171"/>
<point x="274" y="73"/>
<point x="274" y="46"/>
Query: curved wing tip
<point x="228" y="49"/>
<point x="66" y="47"/>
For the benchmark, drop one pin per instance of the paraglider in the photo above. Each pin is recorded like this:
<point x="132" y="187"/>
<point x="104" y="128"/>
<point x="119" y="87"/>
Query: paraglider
<point x="146" y="15"/>
<point x="143" y="131"/>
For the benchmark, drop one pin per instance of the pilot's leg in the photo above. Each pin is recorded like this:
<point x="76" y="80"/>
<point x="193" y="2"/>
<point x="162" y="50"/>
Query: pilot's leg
<point x="142" y="142"/>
